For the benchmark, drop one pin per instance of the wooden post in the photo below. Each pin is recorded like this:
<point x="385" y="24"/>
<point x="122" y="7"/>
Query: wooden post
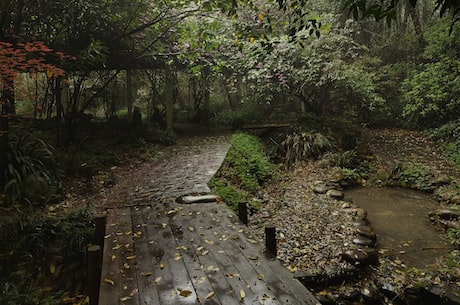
<point x="243" y="212"/>
<point x="100" y="220"/>
<point x="94" y="273"/>
<point x="270" y="239"/>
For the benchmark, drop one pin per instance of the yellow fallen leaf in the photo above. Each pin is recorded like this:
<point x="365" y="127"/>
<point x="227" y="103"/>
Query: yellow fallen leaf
<point x="116" y="247"/>
<point x="210" y="295"/>
<point x="114" y="257"/>
<point x="109" y="281"/>
<point x="147" y="274"/>
<point x="260" y="276"/>
<point x="252" y="241"/>
<point x="158" y="279"/>
<point x="242" y="294"/>
<point x="52" y="268"/>
<point x="205" y="253"/>
<point x="124" y="299"/>
<point x="191" y="229"/>
<point x="185" y="293"/>
<point x="131" y="257"/>
<point x="162" y="266"/>
<point x="209" y="241"/>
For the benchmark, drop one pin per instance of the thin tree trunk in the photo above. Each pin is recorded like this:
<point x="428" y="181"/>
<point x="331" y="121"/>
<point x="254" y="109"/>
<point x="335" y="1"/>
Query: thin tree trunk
<point x="129" y="94"/>
<point x="417" y="25"/>
<point x="169" y="97"/>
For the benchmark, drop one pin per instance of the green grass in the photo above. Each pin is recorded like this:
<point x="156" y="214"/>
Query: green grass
<point x="245" y="169"/>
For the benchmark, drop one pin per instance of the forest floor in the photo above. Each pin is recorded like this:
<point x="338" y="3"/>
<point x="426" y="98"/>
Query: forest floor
<point x="313" y="230"/>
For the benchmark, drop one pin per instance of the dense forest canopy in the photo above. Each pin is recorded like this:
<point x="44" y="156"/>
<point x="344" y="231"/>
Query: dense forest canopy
<point x="217" y="61"/>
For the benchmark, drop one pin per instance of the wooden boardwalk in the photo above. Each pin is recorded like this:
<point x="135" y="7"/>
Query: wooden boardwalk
<point x="172" y="254"/>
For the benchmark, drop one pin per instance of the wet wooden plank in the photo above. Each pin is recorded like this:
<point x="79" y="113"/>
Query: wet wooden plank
<point x="278" y="279"/>
<point x="108" y="293"/>
<point x="214" y="264"/>
<point x="148" y="293"/>
<point x="118" y="283"/>
<point x="172" y="279"/>
<point x="191" y="254"/>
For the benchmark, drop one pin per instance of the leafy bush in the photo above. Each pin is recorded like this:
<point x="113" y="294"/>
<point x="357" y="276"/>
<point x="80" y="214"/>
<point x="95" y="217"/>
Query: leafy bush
<point x="411" y="175"/>
<point x="28" y="157"/>
<point x="31" y="242"/>
<point x="301" y="146"/>
<point x="449" y="137"/>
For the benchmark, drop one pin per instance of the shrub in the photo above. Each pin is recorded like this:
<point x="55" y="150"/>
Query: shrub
<point x="28" y="156"/>
<point x="301" y="146"/>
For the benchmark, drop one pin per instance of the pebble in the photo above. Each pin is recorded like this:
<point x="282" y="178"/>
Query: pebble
<point x="363" y="241"/>
<point x="367" y="232"/>
<point x="336" y="194"/>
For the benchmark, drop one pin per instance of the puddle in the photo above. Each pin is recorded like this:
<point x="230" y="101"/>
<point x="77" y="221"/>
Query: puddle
<point x="400" y="219"/>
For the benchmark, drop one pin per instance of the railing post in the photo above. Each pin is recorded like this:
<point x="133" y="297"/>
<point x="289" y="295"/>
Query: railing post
<point x="100" y="220"/>
<point x="270" y="239"/>
<point x="243" y="212"/>
<point x="94" y="273"/>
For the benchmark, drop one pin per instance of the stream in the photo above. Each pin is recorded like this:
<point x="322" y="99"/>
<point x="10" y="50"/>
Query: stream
<point x="400" y="219"/>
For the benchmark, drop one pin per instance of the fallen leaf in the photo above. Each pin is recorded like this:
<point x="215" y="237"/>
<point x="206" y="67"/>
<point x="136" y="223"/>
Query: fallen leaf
<point x="109" y="281"/>
<point x="242" y="295"/>
<point x="210" y="295"/>
<point x="205" y="253"/>
<point x="124" y="299"/>
<point x="252" y="241"/>
<point x="131" y="257"/>
<point x="158" y="279"/>
<point x="185" y="293"/>
<point x="147" y="274"/>
<point x="162" y="266"/>
<point x="52" y="268"/>
<point x="209" y="241"/>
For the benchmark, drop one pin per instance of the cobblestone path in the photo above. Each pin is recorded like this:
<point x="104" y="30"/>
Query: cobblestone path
<point x="182" y="169"/>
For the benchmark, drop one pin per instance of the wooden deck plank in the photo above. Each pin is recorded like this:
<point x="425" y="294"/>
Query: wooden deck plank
<point x="282" y="282"/>
<point x="148" y="293"/>
<point x="118" y="280"/>
<point x="108" y="293"/>
<point x="172" y="279"/>
<point x="191" y="254"/>
<point x="218" y="268"/>
<point x="254" y="281"/>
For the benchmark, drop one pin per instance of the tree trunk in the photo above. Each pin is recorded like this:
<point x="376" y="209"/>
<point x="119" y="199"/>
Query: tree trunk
<point x="129" y="94"/>
<point x="417" y="25"/>
<point x="169" y="98"/>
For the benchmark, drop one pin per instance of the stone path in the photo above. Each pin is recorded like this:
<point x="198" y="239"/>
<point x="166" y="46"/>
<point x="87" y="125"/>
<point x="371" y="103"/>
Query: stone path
<point x="182" y="169"/>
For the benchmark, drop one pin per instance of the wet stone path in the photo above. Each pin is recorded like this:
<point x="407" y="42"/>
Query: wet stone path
<point x="158" y="251"/>
<point x="186" y="168"/>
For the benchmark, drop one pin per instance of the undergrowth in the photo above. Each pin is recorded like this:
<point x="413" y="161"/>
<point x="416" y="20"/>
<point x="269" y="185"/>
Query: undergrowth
<point x="42" y="255"/>
<point x="245" y="169"/>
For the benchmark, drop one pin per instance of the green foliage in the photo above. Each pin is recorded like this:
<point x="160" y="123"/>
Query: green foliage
<point x="301" y="146"/>
<point x="247" y="157"/>
<point x="28" y="156"/>
<point x="339" y="159"/>
<point x="31" y="241"/>
<point x="431" y="91"/>
<point x="448" y="135"/>
<point x="454" y="236"/>
<point x="245" y="169"/>
<point x="411" y="175"/>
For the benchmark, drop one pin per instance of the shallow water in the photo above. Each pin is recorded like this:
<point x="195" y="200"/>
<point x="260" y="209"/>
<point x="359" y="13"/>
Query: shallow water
<point x="400" y="219"/>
